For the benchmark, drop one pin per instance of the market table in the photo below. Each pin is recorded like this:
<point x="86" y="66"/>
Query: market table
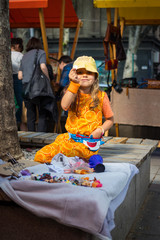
<point x="115" y="150"/>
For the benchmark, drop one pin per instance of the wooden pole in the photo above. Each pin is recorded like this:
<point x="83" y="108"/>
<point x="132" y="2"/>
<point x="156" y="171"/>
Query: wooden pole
<point x="61" y="28"/>
<point x="122" y="22"/>
<point x="58" y="127"/>
<point x="43" y="30"/>
<point x="117" y="129"/>
<point x="108" y="15"/>
<point x="114" y="53"/>
<point x="79" y="25"/>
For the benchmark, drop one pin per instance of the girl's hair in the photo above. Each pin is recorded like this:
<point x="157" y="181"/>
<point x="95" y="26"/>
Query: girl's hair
<point x="33" y="43"/>
<point x="94" y="94"/>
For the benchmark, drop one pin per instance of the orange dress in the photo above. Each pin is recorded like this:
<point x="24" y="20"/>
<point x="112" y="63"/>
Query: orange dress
<point x="85" y="123"/>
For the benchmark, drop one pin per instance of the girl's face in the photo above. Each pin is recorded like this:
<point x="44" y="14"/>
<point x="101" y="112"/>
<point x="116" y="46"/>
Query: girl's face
<point x="85" y="78"/>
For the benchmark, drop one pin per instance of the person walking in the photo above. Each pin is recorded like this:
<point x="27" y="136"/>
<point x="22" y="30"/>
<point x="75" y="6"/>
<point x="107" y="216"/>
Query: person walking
<point x="16" y="58"/>
<point x="25" y="73"/>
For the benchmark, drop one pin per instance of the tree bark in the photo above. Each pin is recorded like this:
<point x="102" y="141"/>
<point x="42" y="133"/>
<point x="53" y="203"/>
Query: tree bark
<point x="9" y="142"/>
<point x="133" y="44"/>
<point x="136" y="34"/>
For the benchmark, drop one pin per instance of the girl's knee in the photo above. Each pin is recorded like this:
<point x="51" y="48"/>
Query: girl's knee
<point x="41" y="157"/>
<point x="45" y="154"/>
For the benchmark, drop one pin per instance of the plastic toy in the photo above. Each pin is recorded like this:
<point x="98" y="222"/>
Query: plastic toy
<point x="96" y="162"/>
<point x="92" y="143"/>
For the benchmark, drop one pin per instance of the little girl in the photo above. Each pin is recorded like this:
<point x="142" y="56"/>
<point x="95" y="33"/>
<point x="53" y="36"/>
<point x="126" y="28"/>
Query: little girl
<point x="85" y="104"/>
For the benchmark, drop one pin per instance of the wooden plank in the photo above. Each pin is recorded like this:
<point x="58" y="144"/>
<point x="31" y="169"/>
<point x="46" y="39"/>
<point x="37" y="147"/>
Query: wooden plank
<point x="41" y="138"/>
<point x="130" y="155"/>
<point x="118" y="140"/>
<point x="120" y="160"/>
<point x="50" y="139"/>
<point x="106" y="139"/>
<point x="25" y="134"/>
<point x="20" y="133"/>
<point x="126" y="147"/>
<point x="134" y="141"/>
<point x="29" y="137"/>
<point x="149" y="142"/>
<point x="123" y="151"/>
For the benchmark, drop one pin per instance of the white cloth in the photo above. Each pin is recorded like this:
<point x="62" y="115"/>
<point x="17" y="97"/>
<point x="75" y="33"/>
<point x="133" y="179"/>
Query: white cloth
<point x="73" y="205"/>
<point x="16" y="58"/>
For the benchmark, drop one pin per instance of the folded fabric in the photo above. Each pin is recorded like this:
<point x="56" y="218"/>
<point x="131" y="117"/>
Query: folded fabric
<point x="73" y="205"/>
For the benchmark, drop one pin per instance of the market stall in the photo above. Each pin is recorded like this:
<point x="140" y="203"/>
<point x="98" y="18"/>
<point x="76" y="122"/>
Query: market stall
<point x="45" y="14"/>
<point x="132" y="109"/>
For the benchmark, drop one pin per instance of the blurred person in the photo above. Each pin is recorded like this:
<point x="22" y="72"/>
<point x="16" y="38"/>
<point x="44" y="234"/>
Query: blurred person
<point x="65" y="65"/>
<point x="25" y="73"/>
<point x="16" y="57"/>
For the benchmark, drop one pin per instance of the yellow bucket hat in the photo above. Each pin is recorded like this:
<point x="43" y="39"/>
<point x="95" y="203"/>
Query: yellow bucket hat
<point x="86" y="62"/>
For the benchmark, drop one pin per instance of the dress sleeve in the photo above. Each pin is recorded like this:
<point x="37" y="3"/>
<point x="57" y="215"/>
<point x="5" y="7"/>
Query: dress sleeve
<point x="106" y="108"/>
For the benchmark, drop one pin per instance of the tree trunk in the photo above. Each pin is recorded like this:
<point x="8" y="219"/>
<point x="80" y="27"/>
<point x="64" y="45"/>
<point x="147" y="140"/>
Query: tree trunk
<point x="133" y="44"/>
<point x="136" y="34"/>
<point x="8" y="129"/>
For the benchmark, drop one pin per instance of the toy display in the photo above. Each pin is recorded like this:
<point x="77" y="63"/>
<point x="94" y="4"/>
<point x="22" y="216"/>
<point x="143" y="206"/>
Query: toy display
<point x="84" y="181"/>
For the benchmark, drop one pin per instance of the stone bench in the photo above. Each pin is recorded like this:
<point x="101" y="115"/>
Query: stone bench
<point x="19" y="224"/>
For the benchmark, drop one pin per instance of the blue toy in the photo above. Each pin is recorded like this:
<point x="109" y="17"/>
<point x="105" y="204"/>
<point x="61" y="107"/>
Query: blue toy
<point x="96" y="162"/>
<point x="92" y="143"/>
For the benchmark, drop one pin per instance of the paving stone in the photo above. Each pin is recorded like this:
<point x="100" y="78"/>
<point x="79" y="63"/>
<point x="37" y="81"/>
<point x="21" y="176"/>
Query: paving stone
<point x="156" y="161"/>
<point x="152" y="176"/>
<point x="154" y="169"/>
<point x="147" y="225"/>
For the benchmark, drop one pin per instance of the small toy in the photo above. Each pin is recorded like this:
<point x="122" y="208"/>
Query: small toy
<point x="96" y="162"/>
<point x="25" y="172"/>
<point x="82" y="171"/>
<point x="84" y="181"/>
<point x="96" y="183"/>
<point x="92" y="143"/>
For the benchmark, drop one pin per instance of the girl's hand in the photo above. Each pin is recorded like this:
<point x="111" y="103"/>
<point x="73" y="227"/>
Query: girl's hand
<point x="97" y="133"/>
<point x="73" y="75"/>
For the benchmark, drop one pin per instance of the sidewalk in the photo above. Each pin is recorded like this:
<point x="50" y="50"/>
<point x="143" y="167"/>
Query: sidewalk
<point x="147" y="224"/>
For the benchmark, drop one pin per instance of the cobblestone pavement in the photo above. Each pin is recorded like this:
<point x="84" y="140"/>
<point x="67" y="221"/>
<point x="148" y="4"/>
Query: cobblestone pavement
<point x="147" y="224"/>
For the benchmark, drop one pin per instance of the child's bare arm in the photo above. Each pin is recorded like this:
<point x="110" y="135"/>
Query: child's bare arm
<point x="106" y="126"/>
<point x="67" y="100"/>
<point x="71" y="92"/>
